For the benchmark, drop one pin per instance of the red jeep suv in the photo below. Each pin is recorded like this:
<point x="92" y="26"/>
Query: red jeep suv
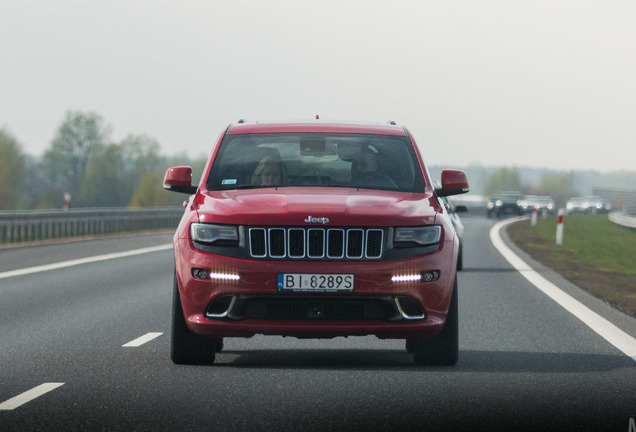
<point x="315" y="229"/>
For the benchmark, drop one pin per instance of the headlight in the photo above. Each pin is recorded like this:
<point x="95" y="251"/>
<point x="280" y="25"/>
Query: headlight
<point x="208" y="233"/>
<point x="419" y="236"/>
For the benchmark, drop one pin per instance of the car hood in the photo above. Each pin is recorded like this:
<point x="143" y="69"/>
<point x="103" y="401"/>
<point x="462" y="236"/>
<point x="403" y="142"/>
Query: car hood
<point x="312" y="206"/>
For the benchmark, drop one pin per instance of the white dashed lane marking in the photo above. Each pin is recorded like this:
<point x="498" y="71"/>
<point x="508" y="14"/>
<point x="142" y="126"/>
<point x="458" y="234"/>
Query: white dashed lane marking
<point x="28" y="396"/>
<point x="42" y="389"/>
<point x="142" y="339"/>
<point x="70" y="263"/>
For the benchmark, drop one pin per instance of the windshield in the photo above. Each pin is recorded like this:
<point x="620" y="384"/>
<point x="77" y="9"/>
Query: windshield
<point x="309" y="159"/>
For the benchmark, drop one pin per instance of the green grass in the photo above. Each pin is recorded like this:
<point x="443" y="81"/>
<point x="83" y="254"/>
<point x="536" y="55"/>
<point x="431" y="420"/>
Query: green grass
<point x="594" y="239"/>
<point x="597" y="255"/>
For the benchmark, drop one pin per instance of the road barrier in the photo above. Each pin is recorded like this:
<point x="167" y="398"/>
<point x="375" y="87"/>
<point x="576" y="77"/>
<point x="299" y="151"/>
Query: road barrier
<point x="624" y="219"/>
<point x="34" y="225"/>
<point x="23" y="226"/>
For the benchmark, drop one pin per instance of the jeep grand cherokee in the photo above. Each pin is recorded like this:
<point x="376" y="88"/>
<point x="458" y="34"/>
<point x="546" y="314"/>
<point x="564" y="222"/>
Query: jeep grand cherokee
<point x="315" y="229"/>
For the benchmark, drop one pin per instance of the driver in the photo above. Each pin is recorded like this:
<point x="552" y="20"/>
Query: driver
<point x="365" y="164"/>
<point x="270" y="172"/>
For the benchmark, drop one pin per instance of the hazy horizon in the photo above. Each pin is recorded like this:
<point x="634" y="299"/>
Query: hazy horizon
<point x="528" y="83"/>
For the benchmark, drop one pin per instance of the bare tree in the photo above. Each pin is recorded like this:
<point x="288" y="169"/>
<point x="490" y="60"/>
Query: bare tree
<point x="65" y="162"/>
<point x="12" y="171"/>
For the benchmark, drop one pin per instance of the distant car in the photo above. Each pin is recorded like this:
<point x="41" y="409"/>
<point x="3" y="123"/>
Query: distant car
<point x="315" y="229"/>
<point x="589" y="204"/>
<point x="541" y="203"/>
<point x="596" y="204"/>
<point x="505" y="204"/>
<point x="527" y="203"/>
<point x="576" y="205"/>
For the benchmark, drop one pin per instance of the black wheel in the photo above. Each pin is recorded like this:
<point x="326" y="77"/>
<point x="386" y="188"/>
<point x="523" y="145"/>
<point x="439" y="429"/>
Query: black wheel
<point x="185" y="346"/>
<point x="460" y="258"/>
<point x="443" y="349"/>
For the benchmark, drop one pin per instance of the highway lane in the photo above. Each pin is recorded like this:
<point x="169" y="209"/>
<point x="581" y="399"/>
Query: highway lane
<point x="525" y="362"/>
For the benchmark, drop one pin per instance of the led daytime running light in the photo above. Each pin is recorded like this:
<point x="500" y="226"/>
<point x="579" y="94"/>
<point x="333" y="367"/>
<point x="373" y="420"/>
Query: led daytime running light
<point x="205" y="274"/>
<point x="407" y="278"/>
<point x="426" y="276"/>
<point x="225" y="276"/>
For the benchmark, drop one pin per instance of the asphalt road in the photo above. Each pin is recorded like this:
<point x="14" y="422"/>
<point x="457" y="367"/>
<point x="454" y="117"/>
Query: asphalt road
<point x="70" y="357"/>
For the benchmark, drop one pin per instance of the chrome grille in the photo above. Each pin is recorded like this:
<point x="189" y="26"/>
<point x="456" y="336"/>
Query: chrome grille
<point x="316" y="243"/>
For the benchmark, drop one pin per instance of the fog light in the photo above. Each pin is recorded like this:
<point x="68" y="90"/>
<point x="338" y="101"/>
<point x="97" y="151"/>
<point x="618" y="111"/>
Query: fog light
<point x="430" y="276"/>
<point x="201" y="273"/>
<point x="207" y="274"/>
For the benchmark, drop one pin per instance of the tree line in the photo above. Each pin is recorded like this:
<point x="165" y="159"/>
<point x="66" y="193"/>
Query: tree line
<point x="84" y="163"/>
<point x="558" y="185"/>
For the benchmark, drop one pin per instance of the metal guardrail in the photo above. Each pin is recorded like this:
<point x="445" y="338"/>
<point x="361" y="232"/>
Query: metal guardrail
<point x="34" y="225"/>
<point x="624" y="219"/>
<point x="23" y="226"/>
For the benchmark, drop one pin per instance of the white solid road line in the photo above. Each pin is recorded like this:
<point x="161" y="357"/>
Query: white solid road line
<point x="80" y="261"/>
<point x="600" y="325"/>
<point x="28" y="396"/>
<point x="143" y="339"/>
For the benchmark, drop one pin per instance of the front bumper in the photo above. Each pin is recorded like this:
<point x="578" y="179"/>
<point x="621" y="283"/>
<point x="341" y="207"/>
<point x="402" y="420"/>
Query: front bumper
<point x="252" y="304"/>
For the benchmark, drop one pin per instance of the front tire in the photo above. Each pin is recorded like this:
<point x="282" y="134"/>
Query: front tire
<point x="187" y="348"/>
<point x="442" y="349"/>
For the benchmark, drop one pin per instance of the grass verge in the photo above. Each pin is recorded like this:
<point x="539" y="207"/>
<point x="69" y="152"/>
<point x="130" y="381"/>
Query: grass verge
<point x="597" y="255"/>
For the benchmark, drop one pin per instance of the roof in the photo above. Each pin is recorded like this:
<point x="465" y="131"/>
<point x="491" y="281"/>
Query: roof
<point x="316" y="126"/>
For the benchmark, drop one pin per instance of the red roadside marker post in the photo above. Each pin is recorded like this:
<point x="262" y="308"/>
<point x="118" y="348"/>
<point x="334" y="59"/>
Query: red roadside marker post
<point x="559" y="232"/>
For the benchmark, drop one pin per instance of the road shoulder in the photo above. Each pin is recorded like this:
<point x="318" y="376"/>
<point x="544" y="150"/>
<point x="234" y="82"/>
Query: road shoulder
<point x="614" y="316"/>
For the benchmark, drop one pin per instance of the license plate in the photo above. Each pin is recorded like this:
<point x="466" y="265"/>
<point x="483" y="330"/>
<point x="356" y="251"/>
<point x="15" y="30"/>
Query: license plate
<point x="315" y="282"/>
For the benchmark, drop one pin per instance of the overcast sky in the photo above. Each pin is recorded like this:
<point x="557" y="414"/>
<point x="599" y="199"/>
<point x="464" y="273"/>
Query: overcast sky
<point x="542" y="83"/>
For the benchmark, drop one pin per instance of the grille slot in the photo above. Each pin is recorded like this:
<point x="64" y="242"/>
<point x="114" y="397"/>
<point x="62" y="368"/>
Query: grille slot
<point x="355" y="237"/>
<point x="258" y="242"/>
<point x="296" y="245"/>
<point x="316" y="243"/>
<point x="316" y="240"/>
<point x="277" y="243"/>
<point x="327" y="309"/>
<point x="375" y="238"/>
<point x="335" y="243"/>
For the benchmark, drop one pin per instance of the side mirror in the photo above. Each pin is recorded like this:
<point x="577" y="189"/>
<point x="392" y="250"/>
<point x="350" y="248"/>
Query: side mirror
<point x="454" y="182"/>
<point x="179" y="179"/>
